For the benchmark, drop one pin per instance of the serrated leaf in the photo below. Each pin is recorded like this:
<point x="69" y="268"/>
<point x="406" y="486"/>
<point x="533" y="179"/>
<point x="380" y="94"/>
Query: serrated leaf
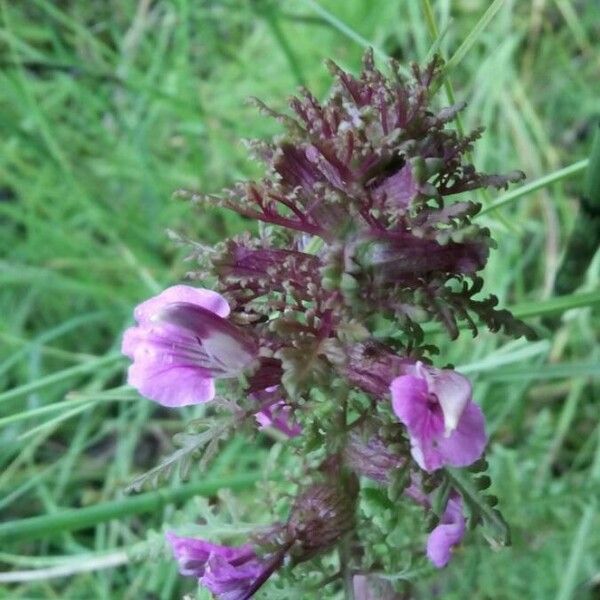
<point x="301" y="366"/>
<point x="497" y="530"/>
<point x="191" y="444"/>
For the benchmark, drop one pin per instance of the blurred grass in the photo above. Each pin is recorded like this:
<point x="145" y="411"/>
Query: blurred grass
<point x="107" y="108"/>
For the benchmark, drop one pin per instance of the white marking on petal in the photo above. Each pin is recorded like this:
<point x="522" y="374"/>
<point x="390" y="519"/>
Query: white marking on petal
<point x="454" y="393"/>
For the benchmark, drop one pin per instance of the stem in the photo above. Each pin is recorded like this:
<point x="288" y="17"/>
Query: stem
<point x="345" y="568"/>
<point x="79" y="518"/>
<point x="344" y="548"/>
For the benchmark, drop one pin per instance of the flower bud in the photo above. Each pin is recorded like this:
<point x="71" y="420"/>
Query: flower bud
<point x="372" y="366"/>
<point x="320" y="517"/>
<point x="368" y="456"/>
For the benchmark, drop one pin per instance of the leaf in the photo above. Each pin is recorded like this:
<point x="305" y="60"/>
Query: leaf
<point x="191" y="445"/>
<point x="301" y="366"/>
<point x="480" y="506"/>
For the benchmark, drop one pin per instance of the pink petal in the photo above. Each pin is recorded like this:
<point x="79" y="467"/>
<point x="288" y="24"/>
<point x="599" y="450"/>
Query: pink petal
<point x="228" y="348"/>
<point x="409" y="400"/>
<point x="171" y="386"/>
<point x="467" y="443"/>
<point x="453" y="391"/>
<point x="461" y="448"/>
<point x="447" y="534"/>
<point x="160" y="372"/>
<point x="426" y="454"/>
<point x="279" y="416"/>
<point x="410" y="405"/>
<point x="192" y="554"/>
<point x="208" y="299"/>
<point x="181" y="343"/>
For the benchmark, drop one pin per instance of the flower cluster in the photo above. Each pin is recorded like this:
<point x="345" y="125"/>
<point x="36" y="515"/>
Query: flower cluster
<point x="317" y="320"/>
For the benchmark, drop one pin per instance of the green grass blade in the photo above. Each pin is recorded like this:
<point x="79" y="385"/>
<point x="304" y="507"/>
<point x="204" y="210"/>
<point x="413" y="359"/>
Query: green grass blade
<point x="80" y="518"/>
<point x="344" y="29"/>
<point x="59" y="376"/>
<point x="540" y="183"/>
<point x="473" y="35"/>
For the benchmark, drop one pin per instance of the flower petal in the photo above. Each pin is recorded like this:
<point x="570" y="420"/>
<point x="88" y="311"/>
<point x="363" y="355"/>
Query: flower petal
<point x="399" y="189"/>
<point x="410" y="405"/>
<point x="227" y="347"/>
<point x="453" y="391"/>
<point x="228" y="581"/>
<point x="166" y="367"/>
<point x="447" y="534"/>
<point x="426" y="454"/>
<point x="467" y="442"/>
<point x="207" y="299"/>
<point x="171" y="386"/>
<point x="279" y="416"/>
<point x="192" y="554"/>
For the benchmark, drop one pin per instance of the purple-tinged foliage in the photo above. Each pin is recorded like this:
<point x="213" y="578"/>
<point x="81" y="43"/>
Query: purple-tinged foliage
<point x="316" y="322"/>
<point x="371" y="366"/>
<point x="369" y="172"/>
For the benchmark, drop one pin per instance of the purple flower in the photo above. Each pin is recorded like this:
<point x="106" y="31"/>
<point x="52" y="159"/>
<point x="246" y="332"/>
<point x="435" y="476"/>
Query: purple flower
<point x="444" y="425"/>
<point x="278" y="415"/>
<point x="182" y="342"/>
<point x="447" y="534"/>
<point x="229" y="572"/>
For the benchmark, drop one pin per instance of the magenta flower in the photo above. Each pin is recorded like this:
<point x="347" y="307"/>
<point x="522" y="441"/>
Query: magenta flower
<point x="182" y="342"/>
<point x="447" y="534"/>
<point x="279" y="416"/>
<point x="444" y="425"/>
<point x="229" y="572"/>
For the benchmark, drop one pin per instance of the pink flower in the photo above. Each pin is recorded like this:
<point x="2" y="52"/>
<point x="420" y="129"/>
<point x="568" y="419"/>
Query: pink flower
<point x="182" y="342"/>
<point x="444" y="425"/>
<point x="229" y="572"/>
<point x="447" y="534"/>
<point x="279" y="416"/>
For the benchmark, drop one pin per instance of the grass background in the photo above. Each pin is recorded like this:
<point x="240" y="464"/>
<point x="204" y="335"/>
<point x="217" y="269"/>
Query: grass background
<point x="107" y="107"/>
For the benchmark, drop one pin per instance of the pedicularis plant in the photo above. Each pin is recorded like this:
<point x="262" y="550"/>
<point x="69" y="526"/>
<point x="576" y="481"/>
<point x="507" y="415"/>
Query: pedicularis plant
<point x="316" y="323"/>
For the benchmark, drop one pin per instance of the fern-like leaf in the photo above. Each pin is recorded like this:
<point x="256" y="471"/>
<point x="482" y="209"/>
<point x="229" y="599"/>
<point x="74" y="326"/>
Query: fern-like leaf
<point x="480" y="507"/>
<point x="203" y="444"/>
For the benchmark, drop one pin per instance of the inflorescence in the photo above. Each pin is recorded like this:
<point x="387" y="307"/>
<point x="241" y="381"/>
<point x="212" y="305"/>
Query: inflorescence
<point x="316" y="323"/>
